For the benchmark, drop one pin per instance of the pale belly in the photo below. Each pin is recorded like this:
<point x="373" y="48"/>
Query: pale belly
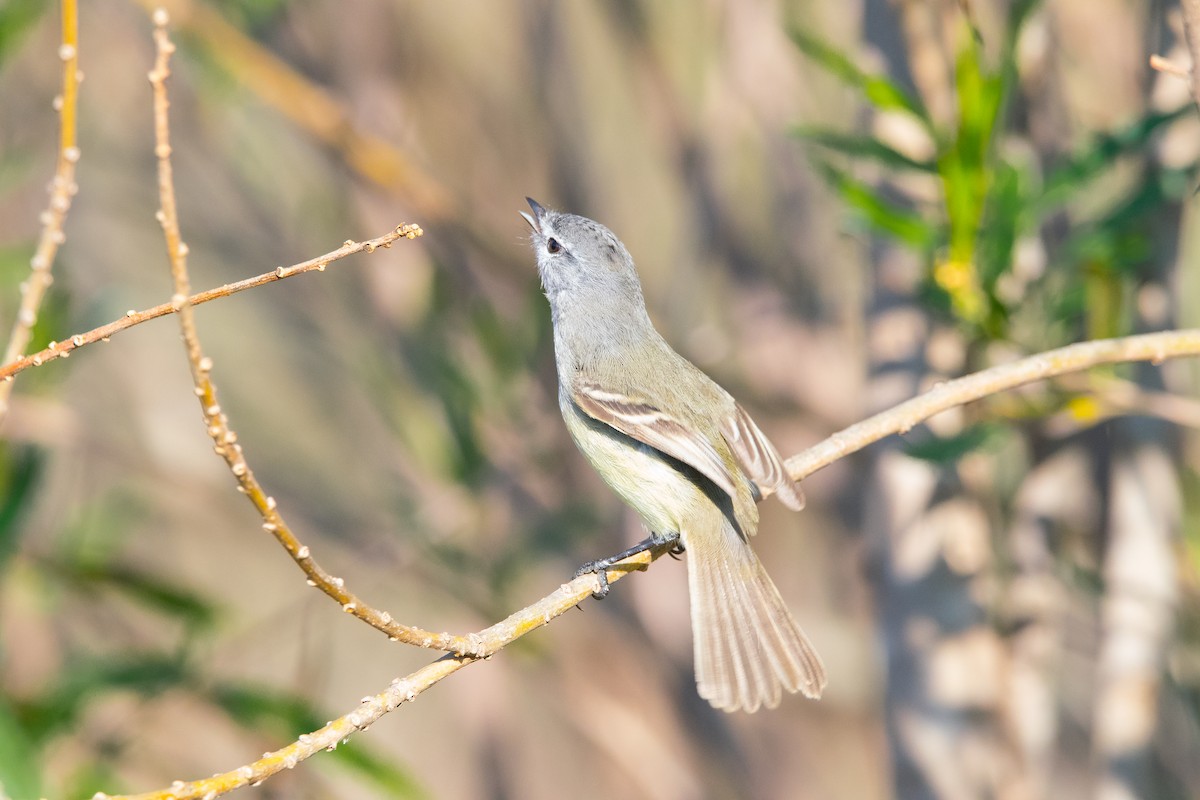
<point x="649" y="482"/>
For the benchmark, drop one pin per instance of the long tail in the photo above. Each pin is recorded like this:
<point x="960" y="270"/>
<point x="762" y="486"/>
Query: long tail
<point x="747" y="646"/>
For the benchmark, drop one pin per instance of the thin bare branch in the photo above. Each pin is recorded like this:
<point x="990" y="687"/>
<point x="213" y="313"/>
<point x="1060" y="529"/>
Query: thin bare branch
<point x="1154" y="347"/>
<point x="104" y="332"/>
<point x="370" y="709"/>
<point x="224" y="438"/>
<point x="1160" y="64"/>
<point x="62" y="190"/>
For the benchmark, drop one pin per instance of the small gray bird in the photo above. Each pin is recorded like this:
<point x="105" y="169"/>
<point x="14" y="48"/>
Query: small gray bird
<point x="681" y="452"/>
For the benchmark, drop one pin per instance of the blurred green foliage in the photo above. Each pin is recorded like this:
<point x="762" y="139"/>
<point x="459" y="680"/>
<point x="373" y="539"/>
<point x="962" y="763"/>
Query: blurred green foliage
<point x="1100" y="248"/>
<point x="19" y="469"/>
<point x="990" y="199"/>
<point x="16" y="17"/>
<point x="87" y="563"/>
<point x="29" y="725"/>
<point x="449" y="378"/>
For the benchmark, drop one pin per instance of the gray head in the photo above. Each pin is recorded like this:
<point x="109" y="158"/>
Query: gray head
<point x="586" y="272"/>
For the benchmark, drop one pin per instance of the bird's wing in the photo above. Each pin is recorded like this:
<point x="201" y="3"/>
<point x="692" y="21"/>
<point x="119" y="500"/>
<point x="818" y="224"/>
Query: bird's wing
<point x="642" y="420"/>
<point x="759" y="459"/>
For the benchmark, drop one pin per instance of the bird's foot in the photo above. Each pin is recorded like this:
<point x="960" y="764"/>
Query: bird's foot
<point x="601" y="565"/>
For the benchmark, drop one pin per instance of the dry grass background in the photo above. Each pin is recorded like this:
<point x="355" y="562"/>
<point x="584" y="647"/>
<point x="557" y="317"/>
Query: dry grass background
<point x="400" y="406"/>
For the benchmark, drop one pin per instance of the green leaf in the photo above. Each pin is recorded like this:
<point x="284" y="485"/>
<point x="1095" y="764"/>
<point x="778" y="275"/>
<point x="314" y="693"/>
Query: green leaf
<point x="1108" y="256"/>
<point x="1073" y="175"/>
<point x="879" y="91"/>
<point x="878" y="212"/>
<point x="1146" y="200"/>
<point x="1105" y="306"/>
<point x="100" y="774"/>
<point x="53" y="317"/>
<point x="251" y="15"/>
<point x="20" y="776"/>
<point x="60" y="705"/>
<point x="19" y="470"/>
<point x="863" y="147"/>
<point x="14" y="262"/>
<point x="1002" y="220"/>
<point x="949" y="449"/>
<point x="1002" y="223"/>
<point x="254" y="706"/>
<point x="146" y="589"/>
<point x="965" y="165"/>
<point x="16" y="17"/>
<point x="392" y="778"/>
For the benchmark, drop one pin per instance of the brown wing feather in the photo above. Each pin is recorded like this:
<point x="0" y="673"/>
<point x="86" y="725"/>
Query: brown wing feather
<point x="643" y="421"/>
<point x="759" y="459"/>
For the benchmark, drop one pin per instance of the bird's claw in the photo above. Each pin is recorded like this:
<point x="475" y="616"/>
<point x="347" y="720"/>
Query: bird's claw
<point x="600" y="569"/>
<point x="601" y="566"/>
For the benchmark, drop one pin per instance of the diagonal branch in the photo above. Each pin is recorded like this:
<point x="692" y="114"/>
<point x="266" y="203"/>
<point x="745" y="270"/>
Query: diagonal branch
<point x="1154" y="347"/>
<point x="370" y="709"/>
<point x="62" y="190"/>
<point x="102" y="333"/>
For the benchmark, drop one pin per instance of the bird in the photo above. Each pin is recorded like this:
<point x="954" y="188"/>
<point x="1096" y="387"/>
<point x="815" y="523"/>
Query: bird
<point x="682" y="452"/>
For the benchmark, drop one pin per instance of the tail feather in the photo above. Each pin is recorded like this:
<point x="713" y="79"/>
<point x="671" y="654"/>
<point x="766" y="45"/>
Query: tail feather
<point x="747" y="645"/>
<point x="715" y="677"/>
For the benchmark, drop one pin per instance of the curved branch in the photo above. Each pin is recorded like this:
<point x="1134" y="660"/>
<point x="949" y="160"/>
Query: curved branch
<point x="225" y="440"/>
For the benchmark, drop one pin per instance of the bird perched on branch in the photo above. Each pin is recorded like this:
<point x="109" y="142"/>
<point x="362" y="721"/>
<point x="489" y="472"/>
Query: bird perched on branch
<point x="682" y="453"/>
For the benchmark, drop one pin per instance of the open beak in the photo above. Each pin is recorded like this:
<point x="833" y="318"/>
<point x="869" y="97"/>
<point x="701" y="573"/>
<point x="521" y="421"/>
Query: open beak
<point x="538" y="211"/>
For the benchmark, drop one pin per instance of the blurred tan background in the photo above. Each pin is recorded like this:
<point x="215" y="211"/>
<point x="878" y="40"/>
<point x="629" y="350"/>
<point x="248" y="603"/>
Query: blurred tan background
<point x="1015" y="620"/>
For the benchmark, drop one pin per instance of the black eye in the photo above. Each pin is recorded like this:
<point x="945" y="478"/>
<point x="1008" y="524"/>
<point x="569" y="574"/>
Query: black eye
<point x="552" y="245"/>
